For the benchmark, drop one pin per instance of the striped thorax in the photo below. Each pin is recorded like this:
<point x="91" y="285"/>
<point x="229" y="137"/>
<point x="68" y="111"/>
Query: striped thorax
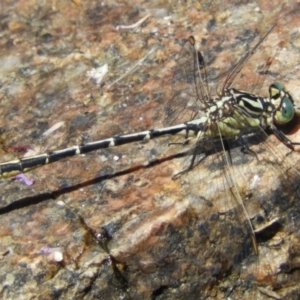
<point x="238" y="112"/>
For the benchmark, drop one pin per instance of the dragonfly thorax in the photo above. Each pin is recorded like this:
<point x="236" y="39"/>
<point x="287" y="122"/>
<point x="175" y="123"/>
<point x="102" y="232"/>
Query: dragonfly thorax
<point x="221" y="108"/>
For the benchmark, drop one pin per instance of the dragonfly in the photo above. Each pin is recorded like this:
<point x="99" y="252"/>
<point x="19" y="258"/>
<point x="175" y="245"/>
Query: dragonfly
<point x="218" y="125"/>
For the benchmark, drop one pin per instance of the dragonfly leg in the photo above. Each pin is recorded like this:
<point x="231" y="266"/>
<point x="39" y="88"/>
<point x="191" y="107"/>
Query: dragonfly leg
<point x="281" y="136"/>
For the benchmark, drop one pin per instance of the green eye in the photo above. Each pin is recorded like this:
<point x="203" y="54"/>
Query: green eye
<point x="286" y="112"/>
<point x="275" y="89"/>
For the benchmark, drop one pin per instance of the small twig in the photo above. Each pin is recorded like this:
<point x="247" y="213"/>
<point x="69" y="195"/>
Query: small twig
<point x="133" y="25"/>
<point x="53" y="128"/>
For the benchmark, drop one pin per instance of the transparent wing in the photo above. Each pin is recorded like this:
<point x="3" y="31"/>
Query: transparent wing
<point x="190" y="91"/>
<point x="191" y="94"/>
<point x="232" y="74"/>
<point x="214" y="197"/>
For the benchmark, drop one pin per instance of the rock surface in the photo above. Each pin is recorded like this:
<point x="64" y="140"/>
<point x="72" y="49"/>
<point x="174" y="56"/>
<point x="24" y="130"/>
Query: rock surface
<point x="80" y="232"/>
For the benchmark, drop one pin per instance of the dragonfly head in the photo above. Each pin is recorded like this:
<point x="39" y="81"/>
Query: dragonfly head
<point x="283" y="103"/>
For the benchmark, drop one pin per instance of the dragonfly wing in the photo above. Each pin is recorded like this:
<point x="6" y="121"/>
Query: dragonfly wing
<point x="189" y="86"/>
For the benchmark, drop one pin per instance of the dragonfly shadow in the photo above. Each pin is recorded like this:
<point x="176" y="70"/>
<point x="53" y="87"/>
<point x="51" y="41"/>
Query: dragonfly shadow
<point x="39" y="198"/>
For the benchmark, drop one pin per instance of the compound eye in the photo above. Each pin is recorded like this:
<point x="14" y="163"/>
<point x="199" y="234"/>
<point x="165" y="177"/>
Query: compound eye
<point x="286" y="112"/>
<point x="276" y="89"/>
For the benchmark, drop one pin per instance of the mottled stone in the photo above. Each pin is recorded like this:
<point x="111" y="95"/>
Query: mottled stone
<point x="80" y="232"/>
